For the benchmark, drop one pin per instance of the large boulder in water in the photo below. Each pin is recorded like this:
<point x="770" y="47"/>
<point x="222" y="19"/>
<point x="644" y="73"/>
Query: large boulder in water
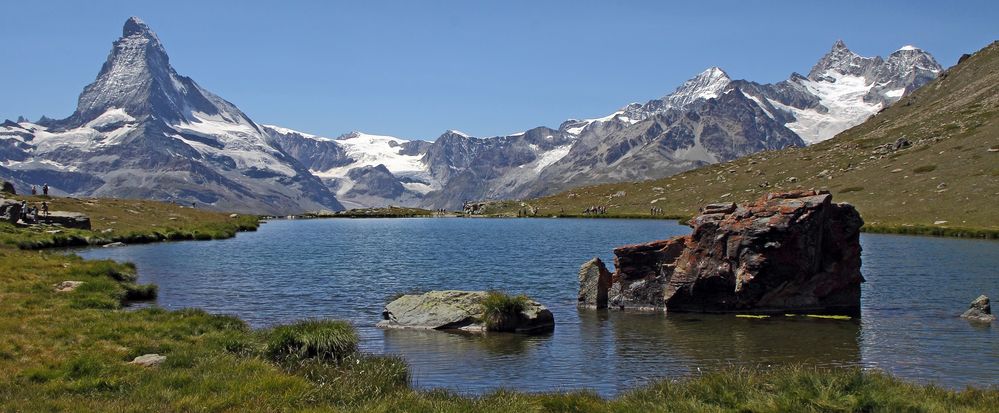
<point x="786" y="252"/>
<point x="460" y="310"/>
<point x="980" y="311"/>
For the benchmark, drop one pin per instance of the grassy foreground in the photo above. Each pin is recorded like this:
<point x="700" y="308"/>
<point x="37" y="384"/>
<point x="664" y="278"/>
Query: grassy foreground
<point x="70" y="351"/>
<point x="945" y="183"/>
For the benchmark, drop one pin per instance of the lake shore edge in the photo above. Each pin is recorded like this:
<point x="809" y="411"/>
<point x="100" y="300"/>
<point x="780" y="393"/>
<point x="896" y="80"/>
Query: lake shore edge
<point x="219" y="352"/>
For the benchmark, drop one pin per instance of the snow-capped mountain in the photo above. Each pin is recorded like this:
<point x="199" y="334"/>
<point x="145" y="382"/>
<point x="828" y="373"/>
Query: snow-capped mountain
<point x="843" y="89"/>
<point x="707" y="119"/>
<point x="141" y="130"/>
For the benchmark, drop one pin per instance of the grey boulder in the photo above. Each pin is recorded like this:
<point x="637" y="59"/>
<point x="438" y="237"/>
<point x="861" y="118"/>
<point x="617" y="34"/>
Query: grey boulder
<point x="980" y="311"/>
<point x="458" y="310"/>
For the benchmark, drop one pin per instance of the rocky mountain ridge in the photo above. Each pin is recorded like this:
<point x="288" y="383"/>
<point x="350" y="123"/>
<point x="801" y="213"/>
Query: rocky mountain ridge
<point x="143" y="131"/>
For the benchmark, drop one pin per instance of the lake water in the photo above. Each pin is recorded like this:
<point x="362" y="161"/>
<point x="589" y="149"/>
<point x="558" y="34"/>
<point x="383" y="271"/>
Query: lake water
<point x="347" y="268"/>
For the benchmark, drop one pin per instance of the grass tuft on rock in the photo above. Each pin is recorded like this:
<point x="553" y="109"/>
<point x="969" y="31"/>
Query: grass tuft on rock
<point x="500" y="309"/>
<point x="311" y="339"/>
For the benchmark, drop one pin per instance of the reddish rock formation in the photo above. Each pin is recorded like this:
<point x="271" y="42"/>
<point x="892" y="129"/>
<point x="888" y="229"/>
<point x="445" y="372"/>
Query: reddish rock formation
<point x="787" y="252"/>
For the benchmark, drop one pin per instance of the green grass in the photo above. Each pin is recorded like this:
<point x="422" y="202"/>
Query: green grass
<point x="384" y="212"/>
<point x="951" y="122"/>
<point x="128" y="221"/>
<point x="309" y="339"/>
<point x="500" y="310"/>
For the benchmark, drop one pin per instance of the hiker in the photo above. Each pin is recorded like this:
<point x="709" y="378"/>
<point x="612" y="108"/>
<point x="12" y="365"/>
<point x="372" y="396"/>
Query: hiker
<point x="34" y="190"/>
<point x="45" y="189"/>
<point x="45" y="209"/>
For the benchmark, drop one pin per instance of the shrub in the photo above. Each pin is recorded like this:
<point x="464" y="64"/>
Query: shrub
<point x="140" y="292"/>
<point x="499" y="310"/>
<point x="308" y="339"/>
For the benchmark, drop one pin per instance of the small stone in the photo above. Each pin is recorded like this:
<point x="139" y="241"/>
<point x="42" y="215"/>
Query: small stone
<point x="148" y="360"/>
<point x="233" y="215"/>
<point x="67" y="286"/>
<point x="114" y="244"/>
<point x="941" y="185"/>
<point x="979" y="311"/>
<point x="896" y="170"/>
<point x="939" y="222"/>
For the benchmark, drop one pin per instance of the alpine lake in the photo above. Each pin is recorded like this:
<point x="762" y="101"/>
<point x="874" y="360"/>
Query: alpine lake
<point x="349" y="268"/>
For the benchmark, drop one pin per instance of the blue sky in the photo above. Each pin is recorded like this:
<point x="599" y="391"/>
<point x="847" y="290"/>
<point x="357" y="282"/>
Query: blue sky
<point x="416" y="68"/>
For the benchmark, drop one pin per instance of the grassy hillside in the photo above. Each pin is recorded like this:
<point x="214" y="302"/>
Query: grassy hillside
<point x="945" y="183"/>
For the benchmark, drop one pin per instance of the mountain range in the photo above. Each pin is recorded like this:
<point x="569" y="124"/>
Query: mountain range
<point x="141" y="130"/>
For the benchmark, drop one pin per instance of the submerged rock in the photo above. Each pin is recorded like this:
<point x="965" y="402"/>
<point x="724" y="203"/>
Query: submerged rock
<point x="459" y="310"/>
<point x="980" y="311"/>
<point x="787" y="252"/>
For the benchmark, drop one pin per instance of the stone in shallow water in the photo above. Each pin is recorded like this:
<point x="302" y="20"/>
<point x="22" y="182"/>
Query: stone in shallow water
<point x="980" y="311"/>
<point x="458" y="310"/>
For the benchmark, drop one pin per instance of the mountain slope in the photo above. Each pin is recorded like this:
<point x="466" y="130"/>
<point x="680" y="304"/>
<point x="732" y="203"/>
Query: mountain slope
<point x="945" y="178"/>
<point x="709" y="118"/>
<point x="143" y="131"/>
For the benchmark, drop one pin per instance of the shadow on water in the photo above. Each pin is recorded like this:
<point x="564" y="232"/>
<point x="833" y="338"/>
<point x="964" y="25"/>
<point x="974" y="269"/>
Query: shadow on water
<point x="660" y="346"/>
<point x="461" y="345"/>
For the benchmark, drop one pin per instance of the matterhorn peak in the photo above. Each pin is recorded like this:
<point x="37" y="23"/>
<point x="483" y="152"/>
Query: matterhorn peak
<point x="839" y="45"/>
<point x="135" y="26"/>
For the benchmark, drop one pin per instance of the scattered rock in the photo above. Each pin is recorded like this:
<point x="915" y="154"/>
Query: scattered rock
<point x="148" y="360"/>
<point x="10" y="210"/>
<point x="114" y="244"/>
<point x="68" y="219"/>
<point x="980" y="311"/>
<point x="896" y="170"/>
<point x="107" y="230"/>
<point x="939" y="222"/>
<point x="233" y="215"/>
<point x="786" y="252"/>
<point x="458" y="310"/>
<point x="8" y="188"/>
<point x="67" y="286"/>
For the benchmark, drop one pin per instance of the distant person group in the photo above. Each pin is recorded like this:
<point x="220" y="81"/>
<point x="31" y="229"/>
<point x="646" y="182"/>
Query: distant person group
<point x="655" y="211"/>
<point x="595" y="210"/>
<point x="45" y="190"/>
<point x="440" y="212"/>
